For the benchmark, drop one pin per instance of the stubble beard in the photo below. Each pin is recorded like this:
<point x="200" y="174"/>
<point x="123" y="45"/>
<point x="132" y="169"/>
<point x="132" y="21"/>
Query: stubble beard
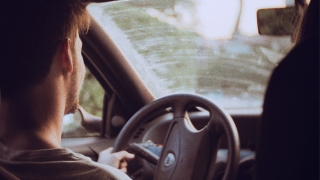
<point x="73" y="97"/>
<point x="74" y="90"/>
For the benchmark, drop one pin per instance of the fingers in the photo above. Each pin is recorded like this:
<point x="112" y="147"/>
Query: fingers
<point x="124" y="155"/>
<point x="123" y="166"/>
<point x="117" y="159"/>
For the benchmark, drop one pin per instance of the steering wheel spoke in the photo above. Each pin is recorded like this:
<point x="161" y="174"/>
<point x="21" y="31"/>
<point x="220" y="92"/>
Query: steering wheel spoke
<point x="186" y="151"/>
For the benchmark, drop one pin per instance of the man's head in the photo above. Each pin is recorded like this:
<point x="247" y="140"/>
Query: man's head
<point x="30" y="36"/>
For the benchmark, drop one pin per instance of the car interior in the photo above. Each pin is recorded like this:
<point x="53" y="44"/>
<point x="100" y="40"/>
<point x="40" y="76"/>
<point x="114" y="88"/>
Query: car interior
<point x="209" y="132"/>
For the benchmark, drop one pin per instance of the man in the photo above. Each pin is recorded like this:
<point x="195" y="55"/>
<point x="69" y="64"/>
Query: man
<point x="41" y="74"/>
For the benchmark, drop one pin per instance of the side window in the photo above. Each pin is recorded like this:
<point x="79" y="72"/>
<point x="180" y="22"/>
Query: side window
<point x="91" y="101"/>
<point x="91" y="95"/>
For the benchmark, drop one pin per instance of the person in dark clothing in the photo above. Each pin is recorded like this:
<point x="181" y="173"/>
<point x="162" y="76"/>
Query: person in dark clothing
<point x="289" y="130"/>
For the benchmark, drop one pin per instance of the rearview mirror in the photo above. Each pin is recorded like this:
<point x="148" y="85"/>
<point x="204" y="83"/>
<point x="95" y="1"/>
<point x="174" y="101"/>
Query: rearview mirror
<point x="276" y="21"/>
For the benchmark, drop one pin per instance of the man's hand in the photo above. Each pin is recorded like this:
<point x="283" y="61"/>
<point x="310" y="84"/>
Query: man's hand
<point x="117" y="160"/>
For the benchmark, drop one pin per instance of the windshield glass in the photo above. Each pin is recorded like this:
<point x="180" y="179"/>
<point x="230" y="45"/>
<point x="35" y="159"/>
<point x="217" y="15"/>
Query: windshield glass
<point x="207" y="47"/>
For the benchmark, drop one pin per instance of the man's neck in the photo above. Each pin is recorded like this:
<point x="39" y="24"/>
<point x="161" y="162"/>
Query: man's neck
<point x="29" y="122"/>
<point x="28" y="141"/>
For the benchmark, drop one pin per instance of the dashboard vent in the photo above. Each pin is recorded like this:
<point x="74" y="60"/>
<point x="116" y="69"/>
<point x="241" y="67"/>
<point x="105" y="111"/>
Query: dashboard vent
<point x="138" y="133"/>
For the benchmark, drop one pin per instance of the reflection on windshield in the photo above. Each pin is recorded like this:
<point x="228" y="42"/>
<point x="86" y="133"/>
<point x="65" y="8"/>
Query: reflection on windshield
<point x="176" y="48"/>
<point x="205" y="17"/>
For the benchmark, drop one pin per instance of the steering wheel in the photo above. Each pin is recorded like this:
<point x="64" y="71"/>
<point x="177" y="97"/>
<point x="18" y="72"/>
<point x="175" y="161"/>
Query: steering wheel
<point x="188" y="153"/>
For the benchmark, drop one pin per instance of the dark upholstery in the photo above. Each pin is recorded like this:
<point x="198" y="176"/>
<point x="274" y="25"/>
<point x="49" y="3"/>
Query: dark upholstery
<point x="6" y="175"/>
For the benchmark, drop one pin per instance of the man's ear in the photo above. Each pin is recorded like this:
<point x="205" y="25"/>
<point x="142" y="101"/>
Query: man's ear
<point x="66" y="55"/>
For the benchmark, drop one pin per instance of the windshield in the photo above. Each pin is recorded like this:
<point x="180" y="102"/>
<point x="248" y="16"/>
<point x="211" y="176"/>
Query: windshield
<point x="207" y="47"/>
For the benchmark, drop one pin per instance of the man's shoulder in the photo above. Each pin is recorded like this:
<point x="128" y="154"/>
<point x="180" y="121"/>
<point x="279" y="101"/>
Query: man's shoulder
<point x="56" y="164"/>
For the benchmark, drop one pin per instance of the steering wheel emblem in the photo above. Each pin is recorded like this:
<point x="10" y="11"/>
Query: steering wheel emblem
<point x="169" y="160"/>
